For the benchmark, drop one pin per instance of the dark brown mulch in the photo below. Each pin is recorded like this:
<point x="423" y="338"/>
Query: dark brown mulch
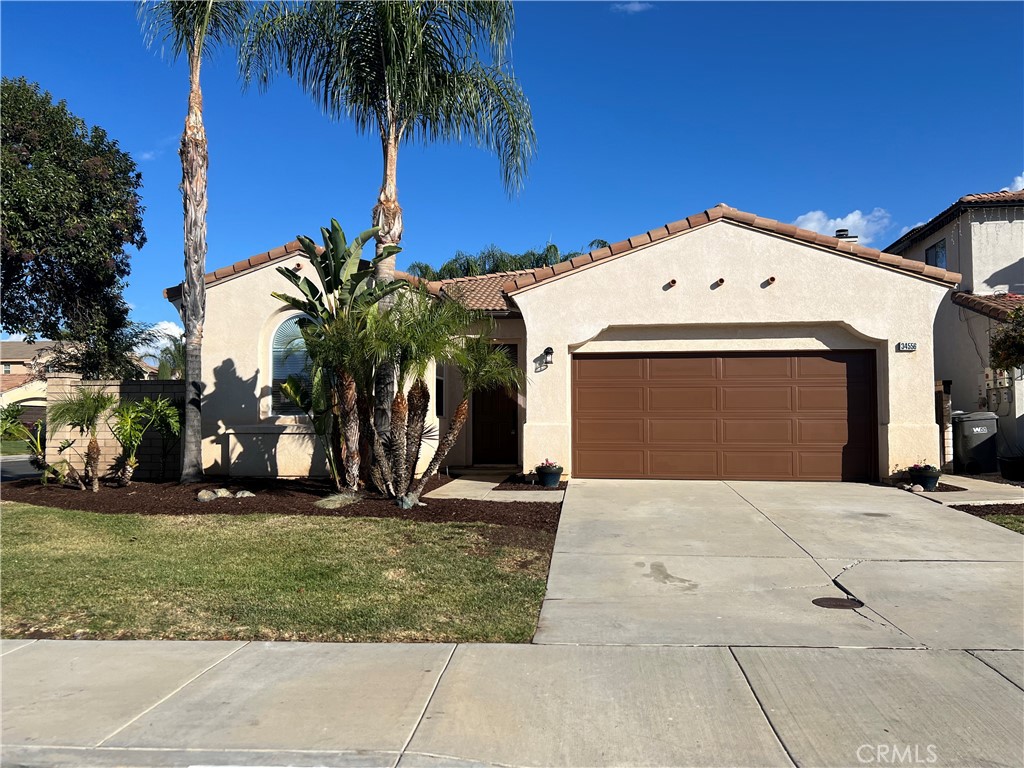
<point x="280" y="497"/>
<point x="995" y="477"/>
<point x="521" y="482"/>
<point x="944" y="487"/>
<point x="981" y="510"/>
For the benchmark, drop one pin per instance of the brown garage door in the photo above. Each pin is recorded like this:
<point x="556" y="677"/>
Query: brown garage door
<point x="772" y="416"/>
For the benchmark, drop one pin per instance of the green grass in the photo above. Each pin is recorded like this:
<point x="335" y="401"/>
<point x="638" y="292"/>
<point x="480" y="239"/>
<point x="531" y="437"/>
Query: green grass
<point x="68" y="573"/>
<point x="13" y="447"/>
<point x="1013" y="522"/>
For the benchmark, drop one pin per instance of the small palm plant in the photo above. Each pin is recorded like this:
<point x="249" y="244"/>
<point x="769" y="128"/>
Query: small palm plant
<point x="130" y="421"/>
<point x="483" y="366"/>
<point x="83" y="411"/>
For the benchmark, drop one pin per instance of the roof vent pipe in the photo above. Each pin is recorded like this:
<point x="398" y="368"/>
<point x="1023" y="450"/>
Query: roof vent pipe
<point x="844" y="234"/>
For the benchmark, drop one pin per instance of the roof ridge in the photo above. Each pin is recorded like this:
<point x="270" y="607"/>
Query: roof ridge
<point x="723" y="211"/>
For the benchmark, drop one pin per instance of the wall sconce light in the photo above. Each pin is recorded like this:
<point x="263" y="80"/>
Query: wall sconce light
<point x="548" y="356"/>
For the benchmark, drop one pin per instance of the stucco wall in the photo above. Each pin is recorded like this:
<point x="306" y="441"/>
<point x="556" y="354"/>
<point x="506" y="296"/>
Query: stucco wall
<point x="820" y="300"/>
<point x="241" y="434"/>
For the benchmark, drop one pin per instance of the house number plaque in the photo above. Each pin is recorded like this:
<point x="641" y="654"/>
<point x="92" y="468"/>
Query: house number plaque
<point x="906" y="346"/>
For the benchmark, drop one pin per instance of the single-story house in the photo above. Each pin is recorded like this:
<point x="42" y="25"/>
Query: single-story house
<point x="723" y="345"/>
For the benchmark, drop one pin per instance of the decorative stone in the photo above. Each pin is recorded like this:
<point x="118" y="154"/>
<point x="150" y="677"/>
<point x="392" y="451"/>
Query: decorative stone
<point x="407" y="502"/>
<point x="224" y="493"/>
<point x="337" y="500"/>
<point x="917" y="488"/>
<point x="244" y="495"/>
<point x="206" y="496"/>
<point x="904" y="486"/>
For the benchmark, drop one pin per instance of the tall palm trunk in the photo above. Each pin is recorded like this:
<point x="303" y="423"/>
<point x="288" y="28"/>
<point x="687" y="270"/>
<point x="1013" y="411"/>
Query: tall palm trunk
<point x="419" y="404"/>
<point x="194" y="165"/>
<point x="387" y="216"/>
<point x="350" y="425"/>
<point x="446" y="444"/>
<point x="399" y="423"/>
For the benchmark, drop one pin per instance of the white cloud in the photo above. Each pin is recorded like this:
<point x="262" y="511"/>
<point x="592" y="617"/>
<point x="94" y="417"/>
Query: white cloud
<point x="904" y="230"/>
<point x="148" y="155"/>
<point x="867" y="226"/>
<point x="632" y="7"/>
<point x="164" y="328"/>
<point x="13" y="337"/>
<point x="1016" y="185"/>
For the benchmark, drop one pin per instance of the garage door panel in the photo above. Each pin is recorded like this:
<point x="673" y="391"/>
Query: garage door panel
<point x="756" y="398"/>
<point x="624" y="462"/>
<point x="757" y="368"/>
<point x="776" y="431"/>
<point x="599" y="370"/>
<point x="757" y="465"/>
<point x="685" y="465"/>
<point x="668" y="399"/>
<point x="610" y="430"/>
<point x="696" y="430"/>
<point x="744" y="416"/>
<point x="676" y="368"/>
<point x="610" y="399"/>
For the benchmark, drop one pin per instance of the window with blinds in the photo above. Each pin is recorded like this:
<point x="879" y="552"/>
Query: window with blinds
<point x="289" y="358"/>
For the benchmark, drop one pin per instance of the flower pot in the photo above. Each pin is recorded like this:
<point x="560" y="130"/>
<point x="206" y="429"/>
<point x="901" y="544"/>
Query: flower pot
<point x="926" y="478"/>
<point x="1011" y="467"/>
<point x="549" y="476"/>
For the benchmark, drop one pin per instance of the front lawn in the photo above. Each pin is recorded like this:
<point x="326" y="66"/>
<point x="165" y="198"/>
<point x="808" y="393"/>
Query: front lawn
<point x="13" y="447"/>
<point x="1009" y="515"/>
<point x="69" y="573"/>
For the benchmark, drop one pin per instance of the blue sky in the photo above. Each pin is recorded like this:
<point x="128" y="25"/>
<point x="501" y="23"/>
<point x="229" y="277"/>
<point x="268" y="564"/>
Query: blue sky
<point x="878" y="114"/>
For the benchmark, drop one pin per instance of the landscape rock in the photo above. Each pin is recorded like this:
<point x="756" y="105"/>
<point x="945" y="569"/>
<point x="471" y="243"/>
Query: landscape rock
<point x="904" y="486"/>
<point x="206" y="496"/>
<point x="224" y="493"/>
<point x="244" y="495"/>
<point x="406" y="502"/>
<point x="918" y="489"/>
<point x="337" y="500"/>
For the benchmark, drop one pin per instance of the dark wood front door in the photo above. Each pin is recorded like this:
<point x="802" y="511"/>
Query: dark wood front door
<point x="496" y="424"/>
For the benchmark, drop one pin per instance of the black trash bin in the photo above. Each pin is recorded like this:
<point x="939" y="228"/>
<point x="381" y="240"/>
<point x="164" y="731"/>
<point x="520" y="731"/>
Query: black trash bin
<point x="974" y="442"/>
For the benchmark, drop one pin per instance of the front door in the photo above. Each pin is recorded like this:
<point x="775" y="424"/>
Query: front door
<point x="496" y="423"/>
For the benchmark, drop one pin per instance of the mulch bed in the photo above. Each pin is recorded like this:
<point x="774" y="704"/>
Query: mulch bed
<point x="521" y="482"/>
<point x="982" y="510"/>
<point x="279" y="497"/>
<point x="945" y="487"/>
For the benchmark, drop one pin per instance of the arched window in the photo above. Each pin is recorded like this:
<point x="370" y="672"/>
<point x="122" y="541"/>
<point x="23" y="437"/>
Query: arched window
<point x="288" y="358"/>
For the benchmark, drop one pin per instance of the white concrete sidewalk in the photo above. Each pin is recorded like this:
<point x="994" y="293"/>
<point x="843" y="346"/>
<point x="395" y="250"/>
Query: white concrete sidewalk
<point x="976" y="491"/>
<point x="482" y="486"/>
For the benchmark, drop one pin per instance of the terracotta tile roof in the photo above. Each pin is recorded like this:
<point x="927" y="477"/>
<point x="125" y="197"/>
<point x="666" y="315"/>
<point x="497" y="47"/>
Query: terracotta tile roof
<point x="14" y="380"/>
<point x="288" y="250"/>
<point x="723" y="211"/>
<point x="480" y="292"/>
<point x="997" y="306"/>
<point x="977" y="200"/>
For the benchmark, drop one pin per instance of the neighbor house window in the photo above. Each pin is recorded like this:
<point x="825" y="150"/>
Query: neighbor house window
<point x="935" y="255"/>
<point x="289" y="358"/>
<point x="7" y="367"/>
<point x="439" y="391"/>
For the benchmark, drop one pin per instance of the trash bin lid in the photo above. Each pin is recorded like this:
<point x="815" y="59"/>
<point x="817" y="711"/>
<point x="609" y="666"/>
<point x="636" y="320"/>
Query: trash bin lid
<point x="975" y="416"/>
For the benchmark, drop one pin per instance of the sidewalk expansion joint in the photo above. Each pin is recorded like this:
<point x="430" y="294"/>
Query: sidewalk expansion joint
<point x="760" y="704"/>
<point x="172" y="693"/>
<point x="426" y="705"/>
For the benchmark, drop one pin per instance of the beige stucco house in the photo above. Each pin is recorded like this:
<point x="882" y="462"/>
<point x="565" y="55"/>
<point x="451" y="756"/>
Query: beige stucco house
<point x="981" y="236"/>
<point x="723" y="345"/>
<point x="22" y="377"/>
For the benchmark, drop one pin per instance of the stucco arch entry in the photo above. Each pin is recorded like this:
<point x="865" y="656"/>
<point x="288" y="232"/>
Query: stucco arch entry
<point x="711" y="289"/>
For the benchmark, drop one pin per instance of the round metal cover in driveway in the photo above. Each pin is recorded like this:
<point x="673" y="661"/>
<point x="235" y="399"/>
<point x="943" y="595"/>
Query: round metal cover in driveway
<point x="837" y="602"/>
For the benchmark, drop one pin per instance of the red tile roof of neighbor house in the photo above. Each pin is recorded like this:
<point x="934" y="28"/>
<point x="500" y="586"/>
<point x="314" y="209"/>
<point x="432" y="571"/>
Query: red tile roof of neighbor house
<point x="491" y="292"/>
<point x="997" y="306"/>
<point x="14" y="380"/>
<point x="725" y="212"/>
<point x="1006" y="197"/>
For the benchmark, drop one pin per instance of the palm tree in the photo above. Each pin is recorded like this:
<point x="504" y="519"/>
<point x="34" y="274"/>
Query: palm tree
<point x="483" y="366"/>
<point x="83" y="411"/>
<point x="413" y="70"/>
<point x="171" y="359"/>
<point x="195" y="28"/>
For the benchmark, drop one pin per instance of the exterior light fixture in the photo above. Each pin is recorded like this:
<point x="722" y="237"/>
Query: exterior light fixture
<point x="548" y="356"/>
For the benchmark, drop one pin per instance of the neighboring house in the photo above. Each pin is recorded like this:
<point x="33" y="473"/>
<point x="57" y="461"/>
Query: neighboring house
<point x="981" y="237"/>
<point x="724" y="345"/>
<point x="22" y="377"/>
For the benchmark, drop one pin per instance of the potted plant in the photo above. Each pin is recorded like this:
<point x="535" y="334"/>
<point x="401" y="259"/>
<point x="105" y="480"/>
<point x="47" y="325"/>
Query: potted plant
<point x="549" y="473"/>
<point x="925" y="475"/>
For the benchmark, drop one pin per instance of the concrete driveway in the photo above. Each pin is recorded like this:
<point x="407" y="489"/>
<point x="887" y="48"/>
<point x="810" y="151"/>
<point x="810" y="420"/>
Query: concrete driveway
<point x="742" y="563"/>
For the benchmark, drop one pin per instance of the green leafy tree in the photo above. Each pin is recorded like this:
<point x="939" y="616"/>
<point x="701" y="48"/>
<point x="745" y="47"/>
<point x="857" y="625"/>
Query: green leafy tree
<point x="70" y="209"/>
<point x="193" y="28"/>
<point x="1006" y="345"/>
<point x="83" y="411"/>
<point x="404" y="71"/>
